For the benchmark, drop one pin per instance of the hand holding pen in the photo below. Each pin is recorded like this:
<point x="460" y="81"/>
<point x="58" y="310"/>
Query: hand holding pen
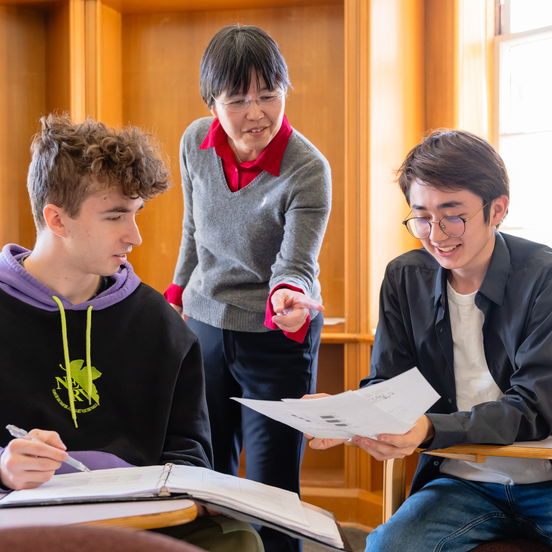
<point x="31" y="459"/>
<point x="22" y="434"/>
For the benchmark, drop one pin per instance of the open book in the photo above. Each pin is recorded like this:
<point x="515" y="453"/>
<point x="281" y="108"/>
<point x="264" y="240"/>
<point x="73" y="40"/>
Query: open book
<point x="234" y="496"/>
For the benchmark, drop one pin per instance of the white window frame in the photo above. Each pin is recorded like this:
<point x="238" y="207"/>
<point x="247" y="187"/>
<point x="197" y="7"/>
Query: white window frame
<point x="503" y="42"/>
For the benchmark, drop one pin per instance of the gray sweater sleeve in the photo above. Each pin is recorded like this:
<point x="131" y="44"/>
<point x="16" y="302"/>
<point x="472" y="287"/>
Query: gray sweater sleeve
<point x="305" y="222"/>
<point x="187" y="257"/>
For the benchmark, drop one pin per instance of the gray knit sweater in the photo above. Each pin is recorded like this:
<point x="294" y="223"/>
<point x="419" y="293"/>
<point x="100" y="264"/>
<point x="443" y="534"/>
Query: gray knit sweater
<point x="237" y="246"/>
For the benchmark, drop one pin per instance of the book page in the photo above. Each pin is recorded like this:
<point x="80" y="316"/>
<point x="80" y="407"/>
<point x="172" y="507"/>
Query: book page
<point x="347" y="415"/>
<point x="405" y="397"/>
<point x="116" y="482"/>
<point x="235" y="492"/>
<point x="322" y="525"/>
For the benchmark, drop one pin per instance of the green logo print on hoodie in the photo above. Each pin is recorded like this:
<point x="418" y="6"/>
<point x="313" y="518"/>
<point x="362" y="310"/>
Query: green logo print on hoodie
<point x="86" y="397"/>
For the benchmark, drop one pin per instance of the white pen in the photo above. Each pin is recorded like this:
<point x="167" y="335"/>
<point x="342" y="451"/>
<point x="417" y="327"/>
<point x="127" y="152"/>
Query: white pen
<point x="19" y="433"/>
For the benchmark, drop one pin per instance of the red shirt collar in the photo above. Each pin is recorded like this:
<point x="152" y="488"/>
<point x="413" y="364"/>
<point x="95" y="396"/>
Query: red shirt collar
<point x="270" y="158"/>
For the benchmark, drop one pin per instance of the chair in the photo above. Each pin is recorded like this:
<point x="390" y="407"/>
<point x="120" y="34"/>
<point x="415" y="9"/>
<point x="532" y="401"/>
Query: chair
<point x="394" y="485"/>
<point x="69" y="538"/>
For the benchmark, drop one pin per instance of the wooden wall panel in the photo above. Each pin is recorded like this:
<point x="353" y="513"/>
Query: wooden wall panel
<point x="397" y="120"/>
<point x="35" y="63"/>
<point x="357" y="172"/>
<point x="326" y="467"/>
<point x="441" y="67"/>
<point x="22" y="101"/>
<point x="58" y="59"/>
<point x="314" y="52"/>
<point x="357" y="145"/>
<point x="395" y="111"/>
<point x="459" y="64"/>
<point x="110" y="66"/>
<point x="145" y="6"/>
<point x="161" y="54"/>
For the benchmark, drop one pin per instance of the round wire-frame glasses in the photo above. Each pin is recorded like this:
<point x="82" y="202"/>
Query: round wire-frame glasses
<point x="452" y="226"/>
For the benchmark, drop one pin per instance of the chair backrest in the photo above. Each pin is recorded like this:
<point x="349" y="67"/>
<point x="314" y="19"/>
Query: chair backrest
<point x="68" y="538"/>
<point x="394" y="486"/>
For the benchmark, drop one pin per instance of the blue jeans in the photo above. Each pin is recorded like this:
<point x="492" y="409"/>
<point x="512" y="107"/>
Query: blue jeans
<point x="455" y="515"/>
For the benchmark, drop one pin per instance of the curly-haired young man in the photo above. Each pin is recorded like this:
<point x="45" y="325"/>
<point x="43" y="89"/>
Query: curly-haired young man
<point x="95" y="358"/>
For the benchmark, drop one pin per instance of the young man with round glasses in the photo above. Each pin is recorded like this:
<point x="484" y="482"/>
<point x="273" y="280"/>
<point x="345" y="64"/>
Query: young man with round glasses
<point x="256" y="202"/>
<point x="472" y="310"/>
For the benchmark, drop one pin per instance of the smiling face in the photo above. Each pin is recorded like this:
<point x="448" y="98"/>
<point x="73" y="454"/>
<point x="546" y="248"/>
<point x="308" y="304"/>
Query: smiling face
<point x="99" y="238"/>
<point x="250" y="131"/>
<point x="468" y="256"/>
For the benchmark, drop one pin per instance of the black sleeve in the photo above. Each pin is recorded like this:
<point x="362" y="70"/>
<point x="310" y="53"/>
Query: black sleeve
<point x="394" y="351"/>
<point x="188" y="439"/>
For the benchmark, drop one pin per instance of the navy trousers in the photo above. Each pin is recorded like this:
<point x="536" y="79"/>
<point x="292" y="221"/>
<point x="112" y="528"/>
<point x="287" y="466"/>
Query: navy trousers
<point x="264" y="365"/>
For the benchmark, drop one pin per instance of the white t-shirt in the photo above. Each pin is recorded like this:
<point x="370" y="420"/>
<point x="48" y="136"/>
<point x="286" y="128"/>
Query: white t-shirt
<point x="475" y="385"/>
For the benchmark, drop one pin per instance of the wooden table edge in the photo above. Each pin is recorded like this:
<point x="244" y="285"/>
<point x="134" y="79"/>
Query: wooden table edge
<point x="154" y="520"/>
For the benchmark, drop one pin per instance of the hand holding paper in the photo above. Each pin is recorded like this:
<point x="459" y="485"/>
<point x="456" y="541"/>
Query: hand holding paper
<point x="390" y="407"/>
<point x="389" y="446"/>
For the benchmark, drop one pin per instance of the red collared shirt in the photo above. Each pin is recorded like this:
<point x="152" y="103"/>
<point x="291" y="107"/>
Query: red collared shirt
<point x="238" y="176"/>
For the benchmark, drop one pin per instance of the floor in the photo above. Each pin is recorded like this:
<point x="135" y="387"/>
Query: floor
<point x="356" y="538"/>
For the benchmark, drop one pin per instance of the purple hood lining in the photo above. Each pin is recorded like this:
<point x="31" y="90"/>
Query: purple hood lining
<point x="18" y="283"/>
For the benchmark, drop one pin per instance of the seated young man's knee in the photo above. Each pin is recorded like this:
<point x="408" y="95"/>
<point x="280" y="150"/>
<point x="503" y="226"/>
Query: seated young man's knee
<point x="217" y="534"/>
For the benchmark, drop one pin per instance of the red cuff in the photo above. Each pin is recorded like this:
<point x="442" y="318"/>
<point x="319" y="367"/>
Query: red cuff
<point x="173" y="294"/>
<point x="300" y="334"/>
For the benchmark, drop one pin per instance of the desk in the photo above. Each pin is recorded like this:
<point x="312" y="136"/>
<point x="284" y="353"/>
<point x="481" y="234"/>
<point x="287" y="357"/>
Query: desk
<point x="134" y="515"/>
<point x="479" y="453"/>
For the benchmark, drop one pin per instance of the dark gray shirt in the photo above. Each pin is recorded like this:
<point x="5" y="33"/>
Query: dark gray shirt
<point x="414" y="330"/>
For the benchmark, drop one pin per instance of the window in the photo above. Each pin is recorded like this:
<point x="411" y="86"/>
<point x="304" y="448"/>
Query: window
<point x="524" y="53"/>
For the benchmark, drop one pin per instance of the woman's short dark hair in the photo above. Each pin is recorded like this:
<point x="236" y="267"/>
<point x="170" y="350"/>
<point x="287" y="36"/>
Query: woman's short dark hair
<point x="456" y="160"/>
<point x="230" y="57"/>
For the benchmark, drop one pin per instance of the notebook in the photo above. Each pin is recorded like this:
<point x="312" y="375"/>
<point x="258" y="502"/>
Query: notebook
<point x="237" y="497"/>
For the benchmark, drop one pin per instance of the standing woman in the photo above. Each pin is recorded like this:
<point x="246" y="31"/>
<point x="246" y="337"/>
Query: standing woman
<point x="257" y="200"/>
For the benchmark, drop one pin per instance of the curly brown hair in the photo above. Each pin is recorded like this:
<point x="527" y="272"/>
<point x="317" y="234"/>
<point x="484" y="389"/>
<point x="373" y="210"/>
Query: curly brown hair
<point x="70" y="160"/>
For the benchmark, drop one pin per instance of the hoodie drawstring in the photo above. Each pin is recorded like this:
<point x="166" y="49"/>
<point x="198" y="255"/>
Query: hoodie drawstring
<point x="88" y="354"/>
<point x="68" y="376"/>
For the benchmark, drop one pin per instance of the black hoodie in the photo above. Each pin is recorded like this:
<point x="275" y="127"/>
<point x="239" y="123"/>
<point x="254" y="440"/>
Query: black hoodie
<point x="137" y="381"/>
